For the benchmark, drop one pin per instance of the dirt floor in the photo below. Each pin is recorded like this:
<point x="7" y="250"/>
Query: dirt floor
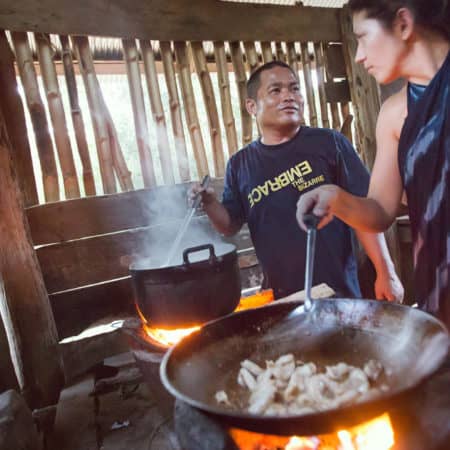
<point x="118" y="412"/>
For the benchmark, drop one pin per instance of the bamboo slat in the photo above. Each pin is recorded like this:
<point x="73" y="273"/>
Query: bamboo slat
<point x="345" y="112"/>
<point x="156" y="106"/>
<point x="14" y="115"/>
<point x="335" y="119"/>
<point x="279" y="51"/>
<point x="24" y="305"/>
<point x="131" y="57"/>
<point x="308" y="85"/>
<point x="292" y="56"/>
<point x="320" y="72"/>
<point x="58" y="118"/>
<point x="77" y="117"/>
<point x="99" y="122"/>
<point x="251" y="56"/>
<point x="187" y="92"/>
<point x="175" y="111"/>
<point x="201" y="67"/>
<point x="266" y="49"/>
<point x="241" y="83"/>
<point x="225" y="96"/>
<point x="36" y="108"/>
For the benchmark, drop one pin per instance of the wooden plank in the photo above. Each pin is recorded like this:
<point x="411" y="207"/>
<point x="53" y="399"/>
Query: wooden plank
<point x="24" y="305"/>
<point x="175" y="20"/>
<point x="92" y="260"/>
<point x="337" y="91"/>
<point x="75" y="310"/>
<point x="335" y="60"/>
<point x="73" y="219"/>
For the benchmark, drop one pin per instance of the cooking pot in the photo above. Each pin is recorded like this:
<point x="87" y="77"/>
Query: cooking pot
<point x="204" y="286"/>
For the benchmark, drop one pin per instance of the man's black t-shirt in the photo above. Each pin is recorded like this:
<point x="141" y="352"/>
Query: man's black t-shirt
<point x="262" y="186"/>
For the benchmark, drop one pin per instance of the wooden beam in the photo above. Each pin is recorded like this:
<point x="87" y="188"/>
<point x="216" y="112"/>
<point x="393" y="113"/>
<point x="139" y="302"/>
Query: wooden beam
<point x="175" y="20"/>
<point x="24" y="304"/>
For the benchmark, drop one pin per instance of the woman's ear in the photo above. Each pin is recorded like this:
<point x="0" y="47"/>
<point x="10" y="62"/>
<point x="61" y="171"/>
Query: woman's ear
<point x="404" y="23"/>
<point x="250" y="104"/>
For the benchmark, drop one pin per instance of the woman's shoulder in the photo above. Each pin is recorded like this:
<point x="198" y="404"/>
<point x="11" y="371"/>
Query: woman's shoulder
<point x="393" y="113"/>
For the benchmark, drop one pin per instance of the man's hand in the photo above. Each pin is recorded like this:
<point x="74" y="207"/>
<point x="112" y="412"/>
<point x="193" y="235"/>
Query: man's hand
<point x="319" y="202"/>
<point x="389" y="287"/>
<point x="208" y="195"/>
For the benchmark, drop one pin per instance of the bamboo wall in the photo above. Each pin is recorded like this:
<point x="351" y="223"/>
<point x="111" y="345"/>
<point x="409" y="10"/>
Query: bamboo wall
<point x="173" y="142"/>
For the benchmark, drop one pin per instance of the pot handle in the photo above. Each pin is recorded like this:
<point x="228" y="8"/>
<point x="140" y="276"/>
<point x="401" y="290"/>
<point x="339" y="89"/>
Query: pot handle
<point x="210" y="247"/>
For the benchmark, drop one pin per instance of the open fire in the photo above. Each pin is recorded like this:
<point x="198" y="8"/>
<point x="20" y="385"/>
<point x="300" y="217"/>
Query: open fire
<point x="170" y="336"/>
<point x="377" y="434"/>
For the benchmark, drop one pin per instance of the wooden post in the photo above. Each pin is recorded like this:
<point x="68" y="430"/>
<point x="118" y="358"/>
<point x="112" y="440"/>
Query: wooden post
<point x="131" y="57"/>
<point x="251" y="56"/>
<point x="225" y="96"/>
<point x="306" y="62"/>
<point x="56" y="109"/>
<point x="15" y="123"/>
<point x="364" y="93"/>
<point x="201" y="67"/>
<point x="24" y="303"/>
<point x="44" y="143"/>
<point x="77" y="117"/>
<point x="241" y="83"/>
<point x="162" y="139"/>
<point x="86" y="65"/>
<point x="320" y="72"/>
<point x="187" y="92"/>
<point x="175" y="111"/>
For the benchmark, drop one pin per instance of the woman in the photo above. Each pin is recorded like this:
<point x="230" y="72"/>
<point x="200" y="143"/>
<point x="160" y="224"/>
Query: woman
<point x="408" y="39"/>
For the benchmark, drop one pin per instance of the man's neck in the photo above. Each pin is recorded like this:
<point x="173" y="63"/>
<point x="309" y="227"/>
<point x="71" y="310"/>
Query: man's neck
<point x="275" y="137"/>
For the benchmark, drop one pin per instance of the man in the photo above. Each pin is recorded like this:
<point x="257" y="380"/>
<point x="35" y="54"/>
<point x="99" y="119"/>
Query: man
<point x="262" y="184"/>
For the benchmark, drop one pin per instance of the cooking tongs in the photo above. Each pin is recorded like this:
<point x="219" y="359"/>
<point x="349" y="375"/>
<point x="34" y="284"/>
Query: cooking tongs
<point x="311" y="221"/>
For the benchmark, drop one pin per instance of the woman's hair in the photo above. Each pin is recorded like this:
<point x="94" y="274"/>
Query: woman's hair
<point x="430" y="14"/>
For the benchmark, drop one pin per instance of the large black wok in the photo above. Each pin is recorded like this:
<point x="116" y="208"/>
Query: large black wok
<point x="410" y="343"/>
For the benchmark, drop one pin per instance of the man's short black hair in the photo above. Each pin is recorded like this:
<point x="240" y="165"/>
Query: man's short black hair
<point x="254" y="82"/>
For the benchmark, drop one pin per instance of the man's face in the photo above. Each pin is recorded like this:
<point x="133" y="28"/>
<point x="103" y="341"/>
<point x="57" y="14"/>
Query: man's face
<point x="279" y="103"/>
<point x="380" y="50"/>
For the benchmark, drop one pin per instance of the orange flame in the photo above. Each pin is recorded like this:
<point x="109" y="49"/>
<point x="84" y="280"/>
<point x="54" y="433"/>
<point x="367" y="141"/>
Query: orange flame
<point x="377" y="434"/>
<point x="169" y="337"/>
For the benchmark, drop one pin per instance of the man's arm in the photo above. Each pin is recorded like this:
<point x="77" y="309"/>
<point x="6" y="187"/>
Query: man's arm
<point x="217" y="213"/>
<point x="387" y="284"/>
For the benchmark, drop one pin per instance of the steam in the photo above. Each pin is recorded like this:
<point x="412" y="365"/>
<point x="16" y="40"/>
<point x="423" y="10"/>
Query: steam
<point x="166" y="208"/>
